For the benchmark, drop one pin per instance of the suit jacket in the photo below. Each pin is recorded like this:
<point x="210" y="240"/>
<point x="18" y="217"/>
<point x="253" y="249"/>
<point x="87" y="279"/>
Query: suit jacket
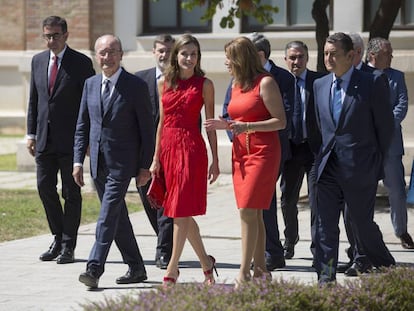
<point x="124" y="134"/>
<point x="286" y="82"/>
<point x="399" y="104"/>
<point x="148" y="75"/>
<point x="314" y="136"/>
<point x="55" y="115"/>
<point x="364" y="131"/>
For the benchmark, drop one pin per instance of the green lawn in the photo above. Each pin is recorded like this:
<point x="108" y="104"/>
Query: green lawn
<point x="17" y="206"/>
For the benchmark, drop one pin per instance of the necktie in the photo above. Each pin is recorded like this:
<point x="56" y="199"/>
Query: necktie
<point x="106" y="95"/>
<point x="297" y="117"/>
<point x="336" y="101"/>
<point x="53" y="73"/>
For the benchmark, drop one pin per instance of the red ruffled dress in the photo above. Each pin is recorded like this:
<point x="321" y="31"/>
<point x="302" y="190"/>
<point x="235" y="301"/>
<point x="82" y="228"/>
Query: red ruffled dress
<point x="183" y="153"/>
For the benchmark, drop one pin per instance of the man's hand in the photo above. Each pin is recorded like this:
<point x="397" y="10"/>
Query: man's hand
<point x="78" y="175"/>
<point x="31" y="146"/>
<point x="143" y="177"/>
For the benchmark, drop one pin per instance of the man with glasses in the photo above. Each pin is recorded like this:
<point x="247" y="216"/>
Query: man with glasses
<point x="57" y="78"/>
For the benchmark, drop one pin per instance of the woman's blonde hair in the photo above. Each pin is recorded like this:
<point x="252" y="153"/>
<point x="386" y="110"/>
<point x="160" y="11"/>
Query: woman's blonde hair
<point x="244" y="62"/>
<point x="173" y="70"/>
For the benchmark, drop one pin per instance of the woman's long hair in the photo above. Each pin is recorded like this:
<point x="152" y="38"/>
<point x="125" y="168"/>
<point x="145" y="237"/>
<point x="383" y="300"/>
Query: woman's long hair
<point x="244" y="63"/>
<point x="172" y="72"/>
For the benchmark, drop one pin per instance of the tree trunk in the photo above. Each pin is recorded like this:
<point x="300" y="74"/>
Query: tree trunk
<point x="384" y="18"/>
<point x="322" y="29"/>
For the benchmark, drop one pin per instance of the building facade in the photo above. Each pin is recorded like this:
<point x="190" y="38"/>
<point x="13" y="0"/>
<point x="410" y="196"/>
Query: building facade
<point x="136" y="22"/>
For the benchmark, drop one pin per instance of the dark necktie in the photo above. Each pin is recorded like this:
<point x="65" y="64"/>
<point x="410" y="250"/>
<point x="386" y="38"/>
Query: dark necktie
<point x="297" y="117"/>
<point x="53" y="73"/>
<point x="106" y="95"/>
<point x="336" y="101"/>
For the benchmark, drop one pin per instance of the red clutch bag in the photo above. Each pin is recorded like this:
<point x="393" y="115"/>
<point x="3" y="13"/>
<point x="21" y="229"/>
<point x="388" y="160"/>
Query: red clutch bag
<point x="156" y="191"/>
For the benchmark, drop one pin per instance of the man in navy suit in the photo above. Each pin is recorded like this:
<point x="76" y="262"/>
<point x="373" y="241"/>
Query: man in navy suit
<point x="304" y="143"/>
<point x="115" y="121"/>
<point x="356" y="125"/>
<point x="379" y="55"/>
<point x="162" y="225"/>
<point x="274" y="249"/>
<point x="57" y="78"/>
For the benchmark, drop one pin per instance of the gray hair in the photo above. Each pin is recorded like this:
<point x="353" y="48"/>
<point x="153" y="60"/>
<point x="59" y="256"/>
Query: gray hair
<point x="357" y="40"/>
<point x="297" y="45"/>
<point x="261" y="43"/>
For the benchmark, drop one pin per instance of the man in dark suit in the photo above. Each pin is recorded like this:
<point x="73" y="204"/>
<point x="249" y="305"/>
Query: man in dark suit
<point x="304" y="143"/>
<point x="115" y="122"/>
<point x="57" y="78"/>
<point x="379" y="54"/>
<point x="274" y="249"/>
<point x="356" y="125"/>
<point x="162" y="225"/>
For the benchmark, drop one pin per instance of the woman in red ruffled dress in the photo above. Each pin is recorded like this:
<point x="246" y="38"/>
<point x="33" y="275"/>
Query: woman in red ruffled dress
<point x="181" y="154"/>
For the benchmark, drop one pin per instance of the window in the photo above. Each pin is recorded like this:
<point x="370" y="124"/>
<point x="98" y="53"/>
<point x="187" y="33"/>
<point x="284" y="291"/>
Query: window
<point x="403" y="21"/>
<point x="167" y="16"/>
<point x="292" y="15"/>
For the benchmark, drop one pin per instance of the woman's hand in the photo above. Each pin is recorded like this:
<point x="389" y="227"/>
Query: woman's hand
<point x="155" y="167"/>
<point x="217" y="124"/>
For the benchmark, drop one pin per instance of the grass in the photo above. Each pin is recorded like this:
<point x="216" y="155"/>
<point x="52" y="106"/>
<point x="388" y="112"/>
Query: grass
<point x="17" y="206"/>
<point x="8" y="162"/>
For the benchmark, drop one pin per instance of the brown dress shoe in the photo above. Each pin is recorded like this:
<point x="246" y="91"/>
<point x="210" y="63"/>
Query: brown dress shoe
<point x="406" y="241"/>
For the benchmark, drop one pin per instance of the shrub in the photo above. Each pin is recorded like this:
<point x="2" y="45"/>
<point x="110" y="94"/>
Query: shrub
<point x="392" y="289"/>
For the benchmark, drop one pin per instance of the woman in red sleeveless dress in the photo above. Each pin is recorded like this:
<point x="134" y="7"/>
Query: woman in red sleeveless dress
<point x="257" y="113"/>
<point x="180" y="152"/>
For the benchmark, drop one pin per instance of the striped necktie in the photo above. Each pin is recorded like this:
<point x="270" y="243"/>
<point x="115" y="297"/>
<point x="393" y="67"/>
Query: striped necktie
<point x="336" y="100"/>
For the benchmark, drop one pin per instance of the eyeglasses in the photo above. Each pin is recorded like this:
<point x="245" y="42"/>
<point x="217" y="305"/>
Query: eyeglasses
<point x="109" y="52"/>
<point x="54" y="36"/>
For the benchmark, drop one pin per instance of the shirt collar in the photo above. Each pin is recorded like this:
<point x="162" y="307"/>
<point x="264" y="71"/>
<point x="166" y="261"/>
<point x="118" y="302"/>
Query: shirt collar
<point x="267" y="66"/>
<point x="60" y="55"/>
<point x="113" y="78"/>
<point x="158" y="73"/>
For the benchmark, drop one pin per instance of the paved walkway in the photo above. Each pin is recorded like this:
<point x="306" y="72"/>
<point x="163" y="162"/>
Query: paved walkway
<point x="29" y="284"/>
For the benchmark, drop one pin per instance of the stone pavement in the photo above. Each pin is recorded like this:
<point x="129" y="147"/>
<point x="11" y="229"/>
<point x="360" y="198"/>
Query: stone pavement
<point x="29" y="284"/>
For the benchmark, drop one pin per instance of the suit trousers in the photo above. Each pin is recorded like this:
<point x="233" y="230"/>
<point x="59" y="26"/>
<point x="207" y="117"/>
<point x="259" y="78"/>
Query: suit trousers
<point x="274" y="248"/>
<point x="394" y="182"/>
<point x="113" y="223"/>
<point x="332" y="193"/>
<point x="162" y="225"/>
<point x="294" y="170"/>
<point x="63" y="220"/>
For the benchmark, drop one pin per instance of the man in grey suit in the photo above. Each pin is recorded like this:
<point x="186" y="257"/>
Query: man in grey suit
<point x="115" y="123"/>
<point x="162" y="225"/>
<point x="356" y="125"/>
<point x="379" y="55"/>
<point x="57" y="78"/>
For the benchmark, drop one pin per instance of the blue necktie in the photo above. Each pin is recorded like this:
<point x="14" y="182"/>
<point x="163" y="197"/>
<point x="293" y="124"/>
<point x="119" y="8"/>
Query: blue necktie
<point x="297" y="117"/>
<point x="106" y="95"/>
<point x="336" y="101"/>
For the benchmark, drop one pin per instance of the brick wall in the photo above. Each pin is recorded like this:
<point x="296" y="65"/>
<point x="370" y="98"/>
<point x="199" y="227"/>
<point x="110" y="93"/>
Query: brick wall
<point x="12" y="34"/>
<point x="21" y="22"/>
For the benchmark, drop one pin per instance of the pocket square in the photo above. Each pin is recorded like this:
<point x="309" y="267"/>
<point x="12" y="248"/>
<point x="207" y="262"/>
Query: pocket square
<point x="156" y="192"/>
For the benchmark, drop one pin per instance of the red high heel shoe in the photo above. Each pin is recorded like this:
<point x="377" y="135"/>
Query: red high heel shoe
<point x="209" y="273"/>
<point x="168" y="281"/>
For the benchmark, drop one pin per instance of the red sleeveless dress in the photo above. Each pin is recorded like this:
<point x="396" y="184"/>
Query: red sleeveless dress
<point x="256" y="156"/>
<point x="183" y="153"/>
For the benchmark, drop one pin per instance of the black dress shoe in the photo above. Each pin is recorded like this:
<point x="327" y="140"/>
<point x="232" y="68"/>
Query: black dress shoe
<point x="406" y="241"/>
<point x="275" y="263"/>
<point x="343" y="267"/>
<point x="132" y="276"/>
<point x="89" y="279"/>
<point x="66" y="256"/>
<point x="290" y="249"/>
<point x="358" y="268"/>
<point x="161" y="262"/>
<point x="52" y="252"/>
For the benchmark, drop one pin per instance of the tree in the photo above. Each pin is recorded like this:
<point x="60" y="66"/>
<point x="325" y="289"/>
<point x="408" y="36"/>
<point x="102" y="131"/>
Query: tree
<point x="384" y="18"/>
<point x="381" y="25"/>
